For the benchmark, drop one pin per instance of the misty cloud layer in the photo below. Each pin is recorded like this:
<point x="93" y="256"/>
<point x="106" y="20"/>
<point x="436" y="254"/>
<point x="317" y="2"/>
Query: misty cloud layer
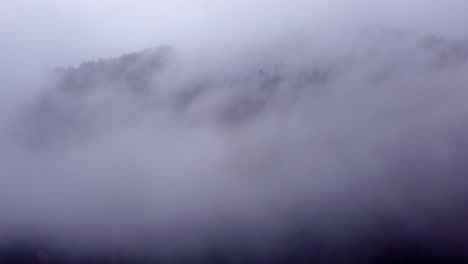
<point x="250" y="138"/>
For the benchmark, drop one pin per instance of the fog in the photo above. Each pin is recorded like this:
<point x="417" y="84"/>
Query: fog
<point x="250" y="131"/>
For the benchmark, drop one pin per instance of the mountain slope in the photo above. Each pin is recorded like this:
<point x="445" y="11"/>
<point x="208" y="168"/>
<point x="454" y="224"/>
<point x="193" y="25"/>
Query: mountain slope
<point x="333" y="148"/>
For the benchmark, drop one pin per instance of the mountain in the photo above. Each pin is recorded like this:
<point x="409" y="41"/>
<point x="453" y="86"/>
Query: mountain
<point x="341" y="147"/>
<point x="254" y="82"/>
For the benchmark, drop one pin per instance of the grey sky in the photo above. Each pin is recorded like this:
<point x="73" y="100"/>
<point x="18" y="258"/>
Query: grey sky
<point x="55" y="32"/>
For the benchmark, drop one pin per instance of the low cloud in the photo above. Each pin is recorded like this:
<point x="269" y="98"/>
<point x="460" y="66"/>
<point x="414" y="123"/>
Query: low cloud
<point x="266" y="128"/>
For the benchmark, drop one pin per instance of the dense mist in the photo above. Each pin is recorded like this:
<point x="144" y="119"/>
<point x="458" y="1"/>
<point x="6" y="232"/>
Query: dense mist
<point x="233" y="132"/>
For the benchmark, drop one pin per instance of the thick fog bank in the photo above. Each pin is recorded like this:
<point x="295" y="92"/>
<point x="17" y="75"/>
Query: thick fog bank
<point x="334" y="146"/>
<point x="267" y="131"/>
